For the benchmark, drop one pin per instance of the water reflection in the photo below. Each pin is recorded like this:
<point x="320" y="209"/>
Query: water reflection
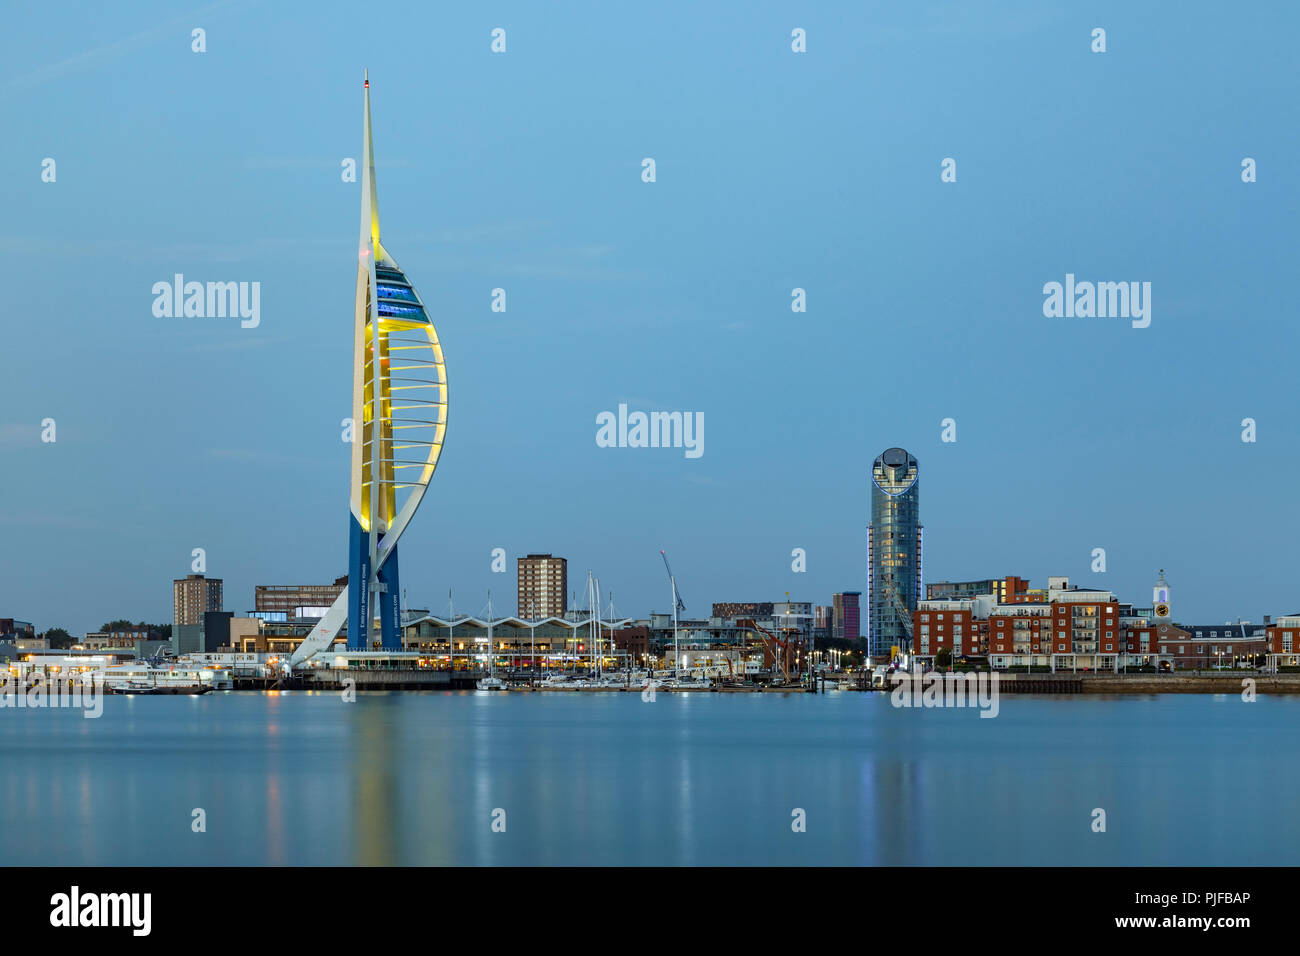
<point x="413" y="778"/>
<point x="376" y="819"/>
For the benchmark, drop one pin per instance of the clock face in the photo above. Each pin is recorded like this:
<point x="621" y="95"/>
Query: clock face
<point x="1162" y="610"/>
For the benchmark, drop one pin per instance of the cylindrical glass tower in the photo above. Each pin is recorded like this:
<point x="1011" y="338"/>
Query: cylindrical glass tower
<point x="893" y="552"/>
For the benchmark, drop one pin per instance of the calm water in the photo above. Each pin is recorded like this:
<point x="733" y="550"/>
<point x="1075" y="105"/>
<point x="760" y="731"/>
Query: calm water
<point x="687" y="779"/>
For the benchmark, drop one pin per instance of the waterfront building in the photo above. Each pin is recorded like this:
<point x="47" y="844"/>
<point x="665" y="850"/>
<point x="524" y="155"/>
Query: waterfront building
<point x="960" y="625"/>
<point x="1084" y="621"/>
<point x="1087" y="629"/>
<point x="1074" y="629"/>
<point x="943" y="624"/>
<point x="634" y="642"/>
<point x="1020" y="634"/>
<point x="9" y="628"/>
<point x="794" y="617"/>
<point x="288" y="598"/>
<point x="1284" y="640"/>
<point x="1135" y="614"/>
<point x="731" y="610"/>
<point x="542" y="582"/>
<point x="1203" y="646"/>
<point x="276" y="637"/>
<point x="218" y="631"/>
<point x="193" y="596"/>
<point x="1157" y="640"/>
<point x="399" y="412"/>
<point x="846" y="621"/>
<point x="101" y="640"/>
<point x="712" y="637"/>
<point x="690" y="633"/>
<point x="1002" y="589"/>
<point x="823" y="621"/>
<point x="552" y="642"/>
<point x="186" y="639"/>
<point x="894" y="550"/>
<point x="1152" y="638"/>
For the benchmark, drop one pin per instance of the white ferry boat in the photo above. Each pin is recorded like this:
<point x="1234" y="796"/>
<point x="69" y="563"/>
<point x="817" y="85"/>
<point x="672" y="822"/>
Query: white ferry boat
<point x="143" y="677"/>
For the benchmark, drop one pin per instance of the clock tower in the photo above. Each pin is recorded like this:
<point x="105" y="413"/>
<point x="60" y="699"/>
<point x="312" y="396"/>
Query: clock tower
<point x="1160" y="598"/>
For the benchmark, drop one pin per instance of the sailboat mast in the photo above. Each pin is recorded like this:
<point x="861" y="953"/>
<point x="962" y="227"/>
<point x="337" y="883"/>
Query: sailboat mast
<point x="599" y="635"/>
<point x="591" y="603"/>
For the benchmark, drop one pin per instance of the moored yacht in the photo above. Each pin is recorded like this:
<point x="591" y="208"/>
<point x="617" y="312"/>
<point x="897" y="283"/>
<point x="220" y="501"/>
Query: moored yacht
<point x="689" y="683"/>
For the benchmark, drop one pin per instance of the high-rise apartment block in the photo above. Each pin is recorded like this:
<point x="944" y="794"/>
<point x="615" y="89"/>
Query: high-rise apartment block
<point x="542" y="584"/>
<point x="894" y="545"/>
<point x="846" y="622"/>
<point x="192" y="596"/>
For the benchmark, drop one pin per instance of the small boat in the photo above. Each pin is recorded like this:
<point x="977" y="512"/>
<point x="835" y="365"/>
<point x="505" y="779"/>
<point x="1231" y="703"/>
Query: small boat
<point x="689" y="683"/>
<point x="491" y="683"/>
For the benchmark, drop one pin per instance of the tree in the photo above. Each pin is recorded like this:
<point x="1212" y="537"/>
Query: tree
<point x="943" y="658"/>
<point x="59" y="638"/>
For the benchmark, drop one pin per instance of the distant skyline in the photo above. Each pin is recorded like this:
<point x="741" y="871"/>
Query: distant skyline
<point x="775" y="171"/>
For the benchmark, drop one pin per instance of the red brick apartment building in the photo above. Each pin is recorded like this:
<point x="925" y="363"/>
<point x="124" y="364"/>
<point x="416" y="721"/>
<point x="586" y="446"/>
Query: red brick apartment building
<point x="1078" y="621"/>
<point x="1197" y="646"/>
<point x="1076" y="628"/>
<point x="1284" y="640"/>
<point x="1067" y="626"/>
<point x="944" y="624"/>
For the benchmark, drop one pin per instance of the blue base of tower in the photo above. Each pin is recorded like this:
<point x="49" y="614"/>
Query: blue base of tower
<point x="390" y="605"/>
<point x="360" y="613"/>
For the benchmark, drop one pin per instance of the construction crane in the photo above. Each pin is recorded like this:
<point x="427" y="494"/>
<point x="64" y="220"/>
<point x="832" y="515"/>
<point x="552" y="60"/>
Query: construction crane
<point x="776" y="652"/>
<point x="678" y="605"/>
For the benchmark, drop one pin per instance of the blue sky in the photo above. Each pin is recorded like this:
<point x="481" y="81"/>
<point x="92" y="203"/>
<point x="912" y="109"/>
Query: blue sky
<point x="775" y="170"/>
